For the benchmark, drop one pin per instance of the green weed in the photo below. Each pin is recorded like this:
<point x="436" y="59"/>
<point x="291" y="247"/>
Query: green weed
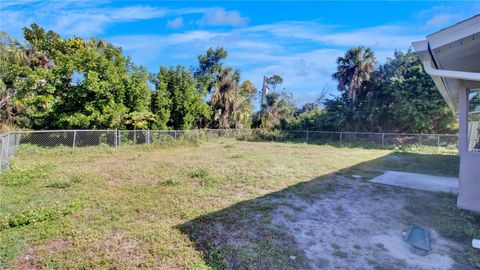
<point x="171" y="182"/>
<point x="208" y="180"/>
<point x="75" y="179"/>
<point x="24" y="176"/>
<point x="236" y="155"/>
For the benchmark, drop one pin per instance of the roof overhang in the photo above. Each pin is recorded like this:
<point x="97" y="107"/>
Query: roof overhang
<point x="452" y="58"/>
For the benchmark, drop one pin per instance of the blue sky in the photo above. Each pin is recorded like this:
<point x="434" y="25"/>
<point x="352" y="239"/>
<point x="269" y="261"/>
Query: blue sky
<point x="297" y="40"/>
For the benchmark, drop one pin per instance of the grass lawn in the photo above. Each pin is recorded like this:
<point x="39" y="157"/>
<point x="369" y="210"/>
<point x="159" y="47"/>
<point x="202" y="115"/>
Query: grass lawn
<point x="134" y="207"/>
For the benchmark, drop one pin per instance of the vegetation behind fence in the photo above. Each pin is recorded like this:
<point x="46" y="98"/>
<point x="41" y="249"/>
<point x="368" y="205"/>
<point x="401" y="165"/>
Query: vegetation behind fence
<point x="10" y="142"/>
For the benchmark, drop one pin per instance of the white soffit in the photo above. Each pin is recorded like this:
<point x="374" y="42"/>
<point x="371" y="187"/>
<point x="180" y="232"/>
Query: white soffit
<point x="456" y="48"/>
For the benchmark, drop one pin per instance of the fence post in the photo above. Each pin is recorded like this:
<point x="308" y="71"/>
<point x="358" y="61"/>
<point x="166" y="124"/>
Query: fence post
<point x="175" y="135"/>
<point x="306" y="136"/>
<point x="116" y="138"/>
<point x="438" y="140"/>
<point x="74" y="139"/>
<point x="7" y="151"/>
<point x="383" y="139"/>
<point x="119" y="139"/>
<point x="341" y="138"/>
<point x="1" y="153"/>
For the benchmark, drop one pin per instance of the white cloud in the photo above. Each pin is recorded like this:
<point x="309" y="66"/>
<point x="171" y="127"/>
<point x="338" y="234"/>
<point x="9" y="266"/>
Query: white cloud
<point x="72" y="18"/>
<point x="304" y="53"/>
<point x="440" y="16"/>
<point x="176" y="23"/>
<point x="385" y="36"/>
<point x="439" y="20"/>
<point x="221" y="17"/>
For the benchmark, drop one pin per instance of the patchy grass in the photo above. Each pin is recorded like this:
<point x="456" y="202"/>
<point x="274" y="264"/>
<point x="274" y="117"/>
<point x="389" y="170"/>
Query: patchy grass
<point x="102" y="208"/>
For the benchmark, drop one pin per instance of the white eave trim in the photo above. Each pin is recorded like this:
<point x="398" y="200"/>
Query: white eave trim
<point x="455" y="32"/>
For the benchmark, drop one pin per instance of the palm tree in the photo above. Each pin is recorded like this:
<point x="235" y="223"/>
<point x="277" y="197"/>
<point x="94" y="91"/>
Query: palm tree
<point x="231" y="102"/>
<point x="223" y="99"/>
<point x="12" y="53"/>
<point x="279" y="107"/>
<point x="353" y="69"/>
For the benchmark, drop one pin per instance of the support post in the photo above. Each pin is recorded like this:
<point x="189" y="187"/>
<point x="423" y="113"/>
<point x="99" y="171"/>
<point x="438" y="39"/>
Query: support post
<point x="463" y="121"/>
<point x="74" y="140"/>
<point x="119" y="139"/>
<point x="2" y="151"/>
<point x="8" y="149"/>
<point x="116" y="138"/>
<point x="383" y="139"/>
<point x="175" y="135"/>
<point x="306" y="135"/>
<point x="341" y="138"/>
<point x="438" y="141"/>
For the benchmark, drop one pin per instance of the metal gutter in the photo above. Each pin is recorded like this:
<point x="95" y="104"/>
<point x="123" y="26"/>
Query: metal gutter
<point x="452" y="74"/>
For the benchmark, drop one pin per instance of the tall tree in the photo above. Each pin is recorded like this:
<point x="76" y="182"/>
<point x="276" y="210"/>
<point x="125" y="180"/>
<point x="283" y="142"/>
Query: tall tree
<point x="13" y="56"/>
<point x="243" y="113"/>
<point x="225" y="97"/>
<point x="230" y="101"/>
<point x="269" y="84"/>
<point x="209" y="67"/>
<point x="72" y="83"/>
<point x="398" y="97"/>
<point x="354" y="69"/>
<point x="413" y="102"/>
<point x="178" y="103"/>
<point x="273" y="81"/>
<point x="280" y="109"/>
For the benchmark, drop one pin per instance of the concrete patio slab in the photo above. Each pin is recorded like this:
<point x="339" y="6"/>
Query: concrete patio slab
<point x="418" y="181"/>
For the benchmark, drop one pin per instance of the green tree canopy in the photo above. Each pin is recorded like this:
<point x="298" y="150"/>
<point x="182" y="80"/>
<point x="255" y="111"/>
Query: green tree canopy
<point x="177" y="101"/>
<point x="209" y="67"/>
<point x="397" y="97"/>
<point x="72" y="83"/>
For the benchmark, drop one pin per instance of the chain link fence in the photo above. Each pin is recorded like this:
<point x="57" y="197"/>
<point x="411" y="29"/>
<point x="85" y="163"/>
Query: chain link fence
<point x="369" y="138"/>
<point x="10" y="142"/>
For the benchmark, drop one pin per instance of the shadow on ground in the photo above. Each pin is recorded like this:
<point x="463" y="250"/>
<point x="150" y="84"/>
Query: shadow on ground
<point x="338" y="222"/>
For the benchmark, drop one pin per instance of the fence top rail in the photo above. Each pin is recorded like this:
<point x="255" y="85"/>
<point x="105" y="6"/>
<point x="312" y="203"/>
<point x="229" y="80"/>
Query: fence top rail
<point x="63" y="130"/>
<point x="216" y="130"/>
<point x="374" y="133"/>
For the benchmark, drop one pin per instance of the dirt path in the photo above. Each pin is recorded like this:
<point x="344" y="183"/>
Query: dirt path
<point x="359" y="225"/>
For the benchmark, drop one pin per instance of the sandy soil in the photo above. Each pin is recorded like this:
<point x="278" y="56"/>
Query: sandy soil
<point x="359" y="225"/>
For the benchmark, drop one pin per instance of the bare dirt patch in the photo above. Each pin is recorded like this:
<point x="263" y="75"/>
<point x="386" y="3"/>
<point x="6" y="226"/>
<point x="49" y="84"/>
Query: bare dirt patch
<point x="30" y="260"/>
<point x="359" y="225"/>
<point x="338" y="223"/>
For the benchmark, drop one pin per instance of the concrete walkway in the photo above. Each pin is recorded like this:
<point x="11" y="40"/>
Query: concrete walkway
<point x="418" y="181"/>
